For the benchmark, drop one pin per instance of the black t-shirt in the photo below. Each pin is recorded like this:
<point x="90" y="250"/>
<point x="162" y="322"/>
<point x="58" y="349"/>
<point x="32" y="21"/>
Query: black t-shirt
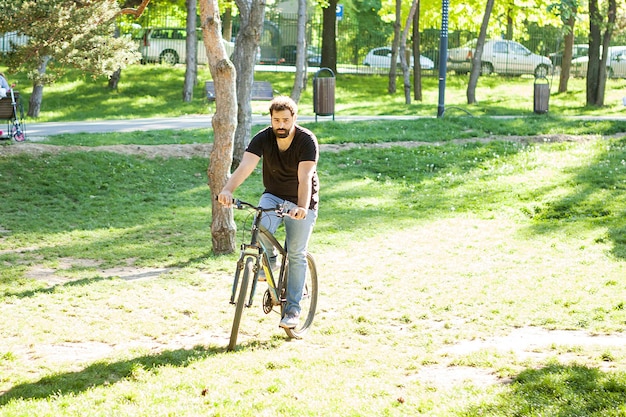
<point x="280" y="168"/>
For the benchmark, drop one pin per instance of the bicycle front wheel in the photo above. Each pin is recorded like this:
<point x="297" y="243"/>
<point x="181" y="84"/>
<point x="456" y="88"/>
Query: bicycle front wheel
<point x="244" y="291"/>
<point x="308" y="303"/>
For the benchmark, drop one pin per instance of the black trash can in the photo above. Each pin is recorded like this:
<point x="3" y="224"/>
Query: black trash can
<point x="542" y="95"/>
<point x="324" y="93"/>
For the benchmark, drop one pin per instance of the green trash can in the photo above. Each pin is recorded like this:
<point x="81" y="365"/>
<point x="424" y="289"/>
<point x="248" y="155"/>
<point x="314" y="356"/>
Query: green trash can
<point x="542" y="95"/>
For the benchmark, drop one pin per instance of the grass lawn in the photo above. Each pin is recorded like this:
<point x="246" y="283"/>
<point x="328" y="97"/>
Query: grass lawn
<point x="155" y="90"/>
<point x="479" y="273"/>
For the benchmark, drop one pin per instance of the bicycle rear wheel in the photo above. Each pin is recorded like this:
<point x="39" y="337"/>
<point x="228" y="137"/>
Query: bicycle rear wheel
<point x="244" y="292"/>
<point x="308" y="303"/>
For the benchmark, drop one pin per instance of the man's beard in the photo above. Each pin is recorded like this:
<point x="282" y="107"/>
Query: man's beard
<point x="281" y="133"/>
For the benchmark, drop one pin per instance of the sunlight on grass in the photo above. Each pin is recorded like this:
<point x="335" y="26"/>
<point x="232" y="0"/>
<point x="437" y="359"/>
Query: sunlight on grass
<point x="421" y="252"/>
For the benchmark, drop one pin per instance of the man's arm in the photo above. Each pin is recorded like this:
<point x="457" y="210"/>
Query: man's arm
<point x="306" y="170"/>
<point x="243" y="171"/>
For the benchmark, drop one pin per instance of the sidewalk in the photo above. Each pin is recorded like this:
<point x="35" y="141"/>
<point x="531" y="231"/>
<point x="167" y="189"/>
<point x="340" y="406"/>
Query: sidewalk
<point x="39" y="130"/>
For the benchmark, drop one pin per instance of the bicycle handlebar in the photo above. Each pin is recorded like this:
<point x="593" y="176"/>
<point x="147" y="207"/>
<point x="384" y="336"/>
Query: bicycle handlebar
<point x="240" y="204"/>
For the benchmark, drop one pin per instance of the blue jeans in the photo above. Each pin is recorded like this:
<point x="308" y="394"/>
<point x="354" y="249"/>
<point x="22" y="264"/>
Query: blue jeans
<point x="298" y="233"/>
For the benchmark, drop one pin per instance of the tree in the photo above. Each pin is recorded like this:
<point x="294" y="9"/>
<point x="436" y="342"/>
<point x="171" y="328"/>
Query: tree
<point x="329" y="34"/>
<point x="65" y="34"/>
<point x="191" y="61"/>
<point x="391" y="89"/>
<point x="251" y="14"/>
<point x="224" y="122"/>
<point x="403" y="54"/>
<point x="566" y="10"/>
<point x="299" y="83"/>
<point x="134" y="8"/>
<point x="417" y="68"/>
<point x="478" y="53"/>
<point x="596" y="69"/>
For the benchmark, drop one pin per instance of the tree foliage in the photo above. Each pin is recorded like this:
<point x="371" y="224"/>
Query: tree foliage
<point x="66" y="34"/>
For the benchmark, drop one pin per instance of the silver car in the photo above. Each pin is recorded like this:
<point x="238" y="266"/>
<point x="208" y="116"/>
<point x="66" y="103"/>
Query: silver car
<point x="168" y="46"/>
<point x="615" y="65"/>
<point x="501" y="57"/>
<point x="381" y="58"/>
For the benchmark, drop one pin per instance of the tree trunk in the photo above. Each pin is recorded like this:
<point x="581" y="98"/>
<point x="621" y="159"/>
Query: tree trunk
<point x="593" y="66"/>
<point x="391" y="88"/>
<point x="191" y="68"/>
<point x="406" y="74"/>
<point x="509" y="24"/>
<point x="566" y="59"/>
<point x="34" y="104"/>
<point x="329" y="33"/>
<point x="299" y="83"/>
<point x="478" y="53"/>
<point x="596" y="69"/>
<point x="224" y="122"/>
<point x="417" y="68"/>
<point x="227" y="27"/>
<point x="114" y="79"/>
<point x="251" y="14"/>
<point x="606" y="41"/>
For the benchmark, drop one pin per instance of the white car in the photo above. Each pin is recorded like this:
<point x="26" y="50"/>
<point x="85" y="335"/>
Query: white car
<point x="615" y="65"/>
<point x="168" y="46"/>
<point x="501" y="57"/>
<point x="381" y="58"/>
<point x="11" y="39"/>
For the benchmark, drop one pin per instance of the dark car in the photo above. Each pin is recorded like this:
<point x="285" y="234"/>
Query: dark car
<point x="288" y="56"/>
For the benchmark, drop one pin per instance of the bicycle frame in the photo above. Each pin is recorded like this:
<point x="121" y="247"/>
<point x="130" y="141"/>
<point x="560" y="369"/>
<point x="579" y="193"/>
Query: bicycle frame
<point x="255" y="250"/>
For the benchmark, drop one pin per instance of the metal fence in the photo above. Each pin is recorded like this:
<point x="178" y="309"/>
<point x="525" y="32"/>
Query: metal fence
<point x="357" y="46"/>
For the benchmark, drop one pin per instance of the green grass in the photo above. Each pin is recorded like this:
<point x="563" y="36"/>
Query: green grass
<point x="154" y="90"/>
<point x="114" y="304"/>
<point x="419" y="249"/>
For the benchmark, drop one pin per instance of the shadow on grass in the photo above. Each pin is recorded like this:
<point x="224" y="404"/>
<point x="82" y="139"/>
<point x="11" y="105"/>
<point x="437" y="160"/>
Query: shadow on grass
<point x="102" y="373"/>
<point x="51" y="289"/>
<point x="596" y="199"/>
<point x="559" y="390"/>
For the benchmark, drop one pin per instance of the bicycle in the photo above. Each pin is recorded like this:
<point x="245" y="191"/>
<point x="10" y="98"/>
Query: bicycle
<point x="253" y="257"/>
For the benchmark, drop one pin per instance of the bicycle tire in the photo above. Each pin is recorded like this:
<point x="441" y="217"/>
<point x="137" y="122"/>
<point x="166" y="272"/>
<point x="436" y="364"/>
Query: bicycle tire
<point x="248" y="272"/>
<point x="308" y="304"/>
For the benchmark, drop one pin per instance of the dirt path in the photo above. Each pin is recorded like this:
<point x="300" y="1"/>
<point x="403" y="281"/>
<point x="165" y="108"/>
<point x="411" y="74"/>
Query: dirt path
<point x="204" y="150"/>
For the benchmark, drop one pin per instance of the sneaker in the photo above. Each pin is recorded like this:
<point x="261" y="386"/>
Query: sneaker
<point x="290" y="321"/>
<point x="275" y="267"/>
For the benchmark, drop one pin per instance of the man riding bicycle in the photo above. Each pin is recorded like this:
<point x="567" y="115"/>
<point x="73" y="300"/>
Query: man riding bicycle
<point x="290" y="154"/>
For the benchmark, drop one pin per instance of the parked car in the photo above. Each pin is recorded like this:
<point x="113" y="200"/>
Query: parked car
<point x="501" y="57"/>
<point x="288" y="55"/>
<point x="577" y="51"/>
<point x="168" y="45"/>
<point x="381" y="58"/>
<point x="9" y="40"/>
<point x="615" y="65"/>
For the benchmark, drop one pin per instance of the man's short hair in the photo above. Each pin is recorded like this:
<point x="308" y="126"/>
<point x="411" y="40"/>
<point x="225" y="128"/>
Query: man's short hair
<point x="281" y="103"/>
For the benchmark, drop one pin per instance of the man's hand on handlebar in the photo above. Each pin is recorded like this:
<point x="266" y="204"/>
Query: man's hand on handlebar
<point x="298" y="213"/>
<point x="225" y="198"/>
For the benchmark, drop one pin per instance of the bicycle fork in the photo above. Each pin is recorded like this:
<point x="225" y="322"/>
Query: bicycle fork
<point x="248" y="252"/>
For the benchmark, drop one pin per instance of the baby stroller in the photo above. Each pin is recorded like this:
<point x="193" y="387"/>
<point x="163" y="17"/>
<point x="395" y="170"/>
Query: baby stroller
<point x="12" y="111"/>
